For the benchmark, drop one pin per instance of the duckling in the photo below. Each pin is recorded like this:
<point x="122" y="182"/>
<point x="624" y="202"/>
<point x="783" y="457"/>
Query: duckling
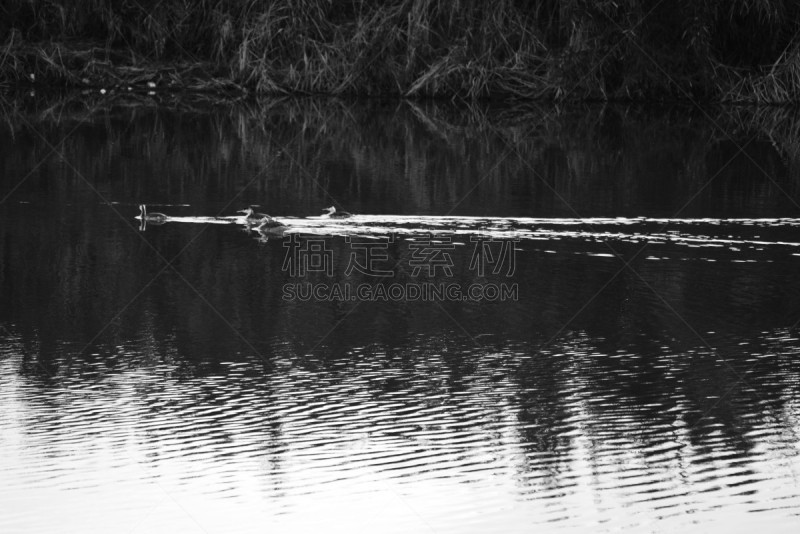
<point x="155" y="217"/>
<point x="251" y="217"/>
<point x="270" y="225"/>
<point x="333" y="214"/>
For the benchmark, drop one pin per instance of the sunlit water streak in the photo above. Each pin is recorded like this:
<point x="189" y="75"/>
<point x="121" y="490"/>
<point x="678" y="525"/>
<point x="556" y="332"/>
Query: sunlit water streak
<point x="687" y="232"/>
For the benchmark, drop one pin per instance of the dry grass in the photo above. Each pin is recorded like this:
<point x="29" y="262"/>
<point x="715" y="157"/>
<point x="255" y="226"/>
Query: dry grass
<point x="460" y="49"/>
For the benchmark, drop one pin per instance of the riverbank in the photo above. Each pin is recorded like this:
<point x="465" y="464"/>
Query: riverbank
<point x="740" y="51"/>
<point x="87" y="65"/>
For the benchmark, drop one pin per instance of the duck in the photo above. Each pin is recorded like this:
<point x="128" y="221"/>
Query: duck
<point x="155" y="217"/>
<point x="333" y="214"/>
<point x="268" y="224"/>
<point x="251" y="217"/>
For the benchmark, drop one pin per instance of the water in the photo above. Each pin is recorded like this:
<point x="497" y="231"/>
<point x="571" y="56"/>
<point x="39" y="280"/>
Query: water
<point x="641" y="373"/>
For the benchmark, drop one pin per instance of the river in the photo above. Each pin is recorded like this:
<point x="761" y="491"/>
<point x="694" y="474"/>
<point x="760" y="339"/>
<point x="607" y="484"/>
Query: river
<point x="538" y="319"/>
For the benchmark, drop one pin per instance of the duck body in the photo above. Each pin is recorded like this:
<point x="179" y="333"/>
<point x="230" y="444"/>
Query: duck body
<point x="251" y="217"/>
<point x="270" y="225"/>
<point x="333" y="214"/>
<point x="155" y="217"/>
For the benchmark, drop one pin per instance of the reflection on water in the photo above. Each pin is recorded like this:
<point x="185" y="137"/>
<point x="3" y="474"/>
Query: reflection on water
<point x="645" y="376"/>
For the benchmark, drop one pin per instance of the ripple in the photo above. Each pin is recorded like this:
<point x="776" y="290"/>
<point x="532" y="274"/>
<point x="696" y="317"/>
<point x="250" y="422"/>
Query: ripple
<point x="527" y="439"/>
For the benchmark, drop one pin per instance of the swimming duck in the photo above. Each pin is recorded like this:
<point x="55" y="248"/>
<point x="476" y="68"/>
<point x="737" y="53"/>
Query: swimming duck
<point x="251" y="216"/>
<point x="268" y="224"/>
<point x="333" y="214"/>
<point x="154" y="217"/>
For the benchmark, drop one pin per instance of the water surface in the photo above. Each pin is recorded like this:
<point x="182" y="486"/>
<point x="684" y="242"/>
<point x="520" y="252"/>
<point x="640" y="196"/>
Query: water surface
<point x="643" y="375"/>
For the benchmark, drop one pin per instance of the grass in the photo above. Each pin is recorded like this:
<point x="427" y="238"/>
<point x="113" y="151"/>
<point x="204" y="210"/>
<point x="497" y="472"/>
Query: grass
<point x="721" y="50"/>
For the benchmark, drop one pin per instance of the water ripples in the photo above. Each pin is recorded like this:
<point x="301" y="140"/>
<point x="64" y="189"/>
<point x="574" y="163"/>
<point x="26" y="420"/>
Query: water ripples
<point x="701" y="233"/>
<point x="450" y="442"/>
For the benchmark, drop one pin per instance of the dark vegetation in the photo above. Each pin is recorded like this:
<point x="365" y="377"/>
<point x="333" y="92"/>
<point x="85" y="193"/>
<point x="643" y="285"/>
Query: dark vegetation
<point x="720" y="50"/>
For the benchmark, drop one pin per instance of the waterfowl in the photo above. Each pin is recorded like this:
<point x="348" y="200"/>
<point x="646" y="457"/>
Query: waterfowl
<point x="268" y="224"/>
<point x="333" y="214"/>
<point x="251" y="216"/>
<point x="154" y="217"/>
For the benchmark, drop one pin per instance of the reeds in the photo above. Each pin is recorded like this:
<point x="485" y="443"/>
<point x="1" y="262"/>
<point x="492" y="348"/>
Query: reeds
<point x="546" y="49"/>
